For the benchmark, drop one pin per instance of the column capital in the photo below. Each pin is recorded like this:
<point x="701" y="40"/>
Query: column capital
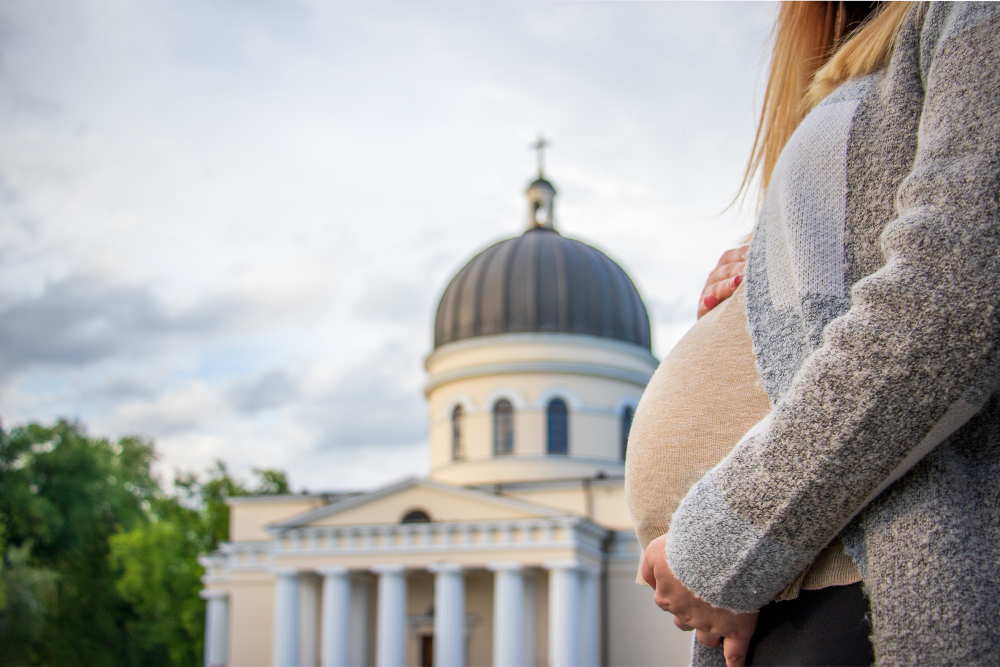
<point x="213" y="594"/>
<point x="332" y="571"/>
<point x="445" y="568"/>
<point x="388" y="568"/>
<point x="505" y="566"/>
<point x="284" y="571"/>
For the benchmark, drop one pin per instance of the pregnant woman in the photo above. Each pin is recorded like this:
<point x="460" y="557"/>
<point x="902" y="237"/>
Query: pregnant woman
<point x="827" y="440"/>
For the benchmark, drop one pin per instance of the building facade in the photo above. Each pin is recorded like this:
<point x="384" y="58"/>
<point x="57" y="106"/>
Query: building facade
<point x="518" y="549"/>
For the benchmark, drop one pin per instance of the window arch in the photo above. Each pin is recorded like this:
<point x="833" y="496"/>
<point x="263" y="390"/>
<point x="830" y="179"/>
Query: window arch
<point x="416" y="516"/>
<point x="458" y="433"/>
<point x="503" y="427"/>
<point x="558" y="427"/>
<point x="626" y="425"/>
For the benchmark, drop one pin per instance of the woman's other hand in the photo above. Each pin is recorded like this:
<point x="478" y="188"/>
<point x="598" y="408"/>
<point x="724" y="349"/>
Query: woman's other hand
<point x="724" y="279"/>
<point x="713" y="624"/>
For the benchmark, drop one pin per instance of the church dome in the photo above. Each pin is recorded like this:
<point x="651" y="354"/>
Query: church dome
<point x="541" y="282"/>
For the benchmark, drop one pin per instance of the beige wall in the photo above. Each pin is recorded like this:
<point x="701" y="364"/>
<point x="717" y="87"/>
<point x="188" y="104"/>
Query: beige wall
<point x="439" y="505"/>
<point x="479" y="601"/>
<point x="419" y="601"/>
<point x="639" y="632"/>
<point x="251" y="608"/>
<point x="540" y="582"/>
<point x="596" y="377"/>
<point x="249" y="516"/>
<point x="602" y="502"/>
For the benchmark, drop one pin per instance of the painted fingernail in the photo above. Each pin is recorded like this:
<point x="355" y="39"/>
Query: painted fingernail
<point x="737" y="279"/>
<point x="711" y="301"/>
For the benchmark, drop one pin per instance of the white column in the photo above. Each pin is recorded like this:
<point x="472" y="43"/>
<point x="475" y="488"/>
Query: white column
<point x="390" y="636"/>
<point x="508" y="610"/>
<point x="564" y="622"/>
<point x="590" y="612"/>
<point x="285" y="641"/>
<point x="216" y="627"/>
<point x="449" y="615"/>
<point x="336" y="617"/>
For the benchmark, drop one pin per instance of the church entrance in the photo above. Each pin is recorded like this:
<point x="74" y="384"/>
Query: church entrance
<point x="426" y="650"/>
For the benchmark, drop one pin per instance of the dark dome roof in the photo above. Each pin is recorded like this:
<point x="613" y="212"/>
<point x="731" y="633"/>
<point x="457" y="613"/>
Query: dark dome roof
<point x="542" y="183"/>
<point x="541" y="281"/>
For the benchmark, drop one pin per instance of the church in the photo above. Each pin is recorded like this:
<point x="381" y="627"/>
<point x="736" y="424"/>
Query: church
<point x="517" y="550"/>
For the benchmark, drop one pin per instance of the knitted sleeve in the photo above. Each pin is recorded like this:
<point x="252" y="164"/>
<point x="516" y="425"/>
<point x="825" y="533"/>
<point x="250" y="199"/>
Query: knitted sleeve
<point x="912" y="360"/>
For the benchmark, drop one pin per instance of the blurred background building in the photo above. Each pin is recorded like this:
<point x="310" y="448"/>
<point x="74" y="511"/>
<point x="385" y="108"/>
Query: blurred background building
<point x="518" y="548"/>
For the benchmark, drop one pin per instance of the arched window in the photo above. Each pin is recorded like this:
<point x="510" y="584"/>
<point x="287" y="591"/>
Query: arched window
<point x="626" y="426"/>
<point x="558" y="427"/>
<point x="416" y="516"/>
<point x="457" y="434"/>
<point x="503" y="428"/>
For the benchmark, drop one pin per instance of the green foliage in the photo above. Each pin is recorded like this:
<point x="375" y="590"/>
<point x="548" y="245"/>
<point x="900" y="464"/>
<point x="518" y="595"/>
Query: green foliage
<point x="160" y="578"/>
<point x="99" y="563"/>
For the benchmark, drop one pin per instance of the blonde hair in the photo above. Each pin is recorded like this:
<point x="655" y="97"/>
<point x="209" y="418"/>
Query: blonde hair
<point x="817" y="46"/>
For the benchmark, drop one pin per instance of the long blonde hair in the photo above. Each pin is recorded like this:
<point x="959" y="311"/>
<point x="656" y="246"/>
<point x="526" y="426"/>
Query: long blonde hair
<point x="817" y="46"/>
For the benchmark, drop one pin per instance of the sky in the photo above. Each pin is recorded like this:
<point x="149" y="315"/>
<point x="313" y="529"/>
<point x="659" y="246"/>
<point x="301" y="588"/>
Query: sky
<point x="225" y="224"/>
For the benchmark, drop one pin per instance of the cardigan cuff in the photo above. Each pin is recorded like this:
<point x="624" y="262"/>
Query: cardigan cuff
<point x="722" y="558"/>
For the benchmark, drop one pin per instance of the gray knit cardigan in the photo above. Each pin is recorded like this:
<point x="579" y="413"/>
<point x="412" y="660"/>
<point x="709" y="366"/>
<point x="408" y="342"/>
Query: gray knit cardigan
<point x="873" y="299"/>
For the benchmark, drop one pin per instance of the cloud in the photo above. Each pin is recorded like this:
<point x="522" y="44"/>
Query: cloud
<point x="679" y="310"/>
<point x="369" y="405"/>
<point x="298" y="182"/>
<point x="270" y="390"/>
<point x="81" y="319"/>
<point x="397" y="303"/>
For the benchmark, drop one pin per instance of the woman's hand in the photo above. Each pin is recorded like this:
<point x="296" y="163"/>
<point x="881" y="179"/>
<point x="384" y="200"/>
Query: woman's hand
<point x="714" y="625"/>
<point x="724" y="279"/>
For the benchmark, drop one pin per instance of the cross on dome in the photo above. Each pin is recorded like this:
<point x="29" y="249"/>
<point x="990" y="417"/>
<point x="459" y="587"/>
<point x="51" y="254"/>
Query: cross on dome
<point x="540" y="145"/>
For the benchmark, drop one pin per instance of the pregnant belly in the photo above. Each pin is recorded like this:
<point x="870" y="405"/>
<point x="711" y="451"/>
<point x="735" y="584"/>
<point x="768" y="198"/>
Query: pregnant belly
<point x="703" y="398"/>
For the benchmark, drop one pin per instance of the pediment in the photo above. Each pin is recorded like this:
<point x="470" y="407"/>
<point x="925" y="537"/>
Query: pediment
<point x="442" y="502"/>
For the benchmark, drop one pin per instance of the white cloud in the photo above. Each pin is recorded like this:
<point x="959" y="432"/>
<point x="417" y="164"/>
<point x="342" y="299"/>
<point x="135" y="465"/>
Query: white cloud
<point x="226" y="225"/>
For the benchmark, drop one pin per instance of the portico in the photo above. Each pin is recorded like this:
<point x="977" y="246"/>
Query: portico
<point x="525" y="587"/>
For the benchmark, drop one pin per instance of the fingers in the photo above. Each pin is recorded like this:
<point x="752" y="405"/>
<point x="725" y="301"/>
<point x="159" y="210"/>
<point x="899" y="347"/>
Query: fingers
<point x="729" y="265"/>
<point x="717" y="292"/>
<point x="682" y="625"/>
<point x="725" y="271"/>
<point x="735" y="255"/>
<point x="709" y="639"/>
<point x="735" y="649"/>
<point x="707" y="303"/>
<point x="647" y="571"/>
<point x="724" y="279"/>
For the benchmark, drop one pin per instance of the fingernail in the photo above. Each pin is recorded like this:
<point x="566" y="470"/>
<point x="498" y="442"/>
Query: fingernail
<point x="737" y="279"/>
<point x="711" y="301"/>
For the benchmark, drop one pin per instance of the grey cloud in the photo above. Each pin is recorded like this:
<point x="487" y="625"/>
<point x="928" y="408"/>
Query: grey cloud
<point x="119" y="389"/>
<point x="269" y="390"/>
<point x="85" y="319"/>
<point x="370" y="406"/>
<point x="396" y="303"/>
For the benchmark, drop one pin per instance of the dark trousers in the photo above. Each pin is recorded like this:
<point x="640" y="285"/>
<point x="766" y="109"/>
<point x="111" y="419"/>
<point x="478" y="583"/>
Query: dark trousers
<point x="829" y="626"/>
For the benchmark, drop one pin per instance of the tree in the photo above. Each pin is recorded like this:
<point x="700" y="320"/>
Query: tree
<point x="98" y="563"/>
<point x="161" y="576"/>
<point x="64" y="495"/>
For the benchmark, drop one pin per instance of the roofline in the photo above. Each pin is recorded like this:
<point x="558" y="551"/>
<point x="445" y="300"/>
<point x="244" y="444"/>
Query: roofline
<point x="534" y="337"/>
<point x="285" y="497"/>
<point x="553" y="483"/>
<point x="410" y="482"/>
